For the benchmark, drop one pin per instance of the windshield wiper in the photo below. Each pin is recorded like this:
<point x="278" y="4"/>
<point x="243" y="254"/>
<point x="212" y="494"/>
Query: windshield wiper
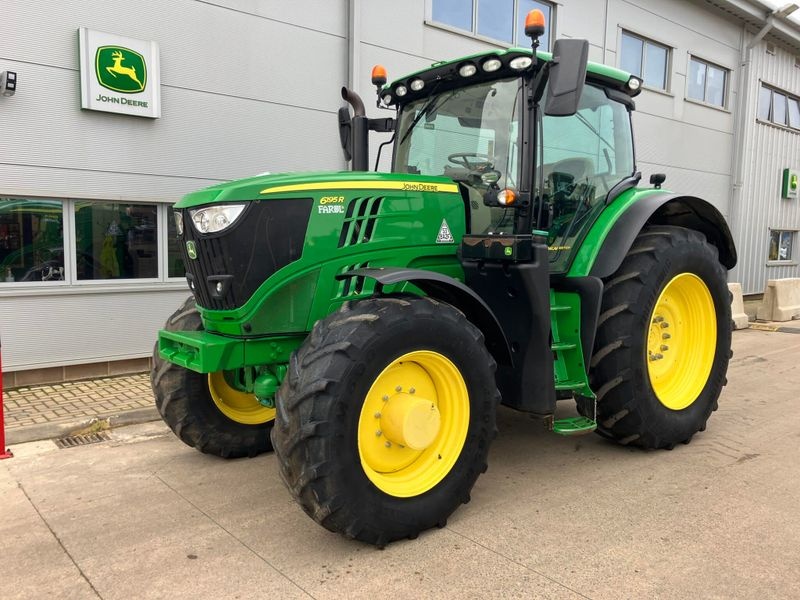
<point x="425" y="110"/>
<point x="586" y="122"/>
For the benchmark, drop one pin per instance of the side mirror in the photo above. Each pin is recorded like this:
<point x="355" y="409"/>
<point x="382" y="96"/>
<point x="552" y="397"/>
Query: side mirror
<point x="345" y="131"/>
<point x="567" y="76"/>
<point x="657" y="179"/>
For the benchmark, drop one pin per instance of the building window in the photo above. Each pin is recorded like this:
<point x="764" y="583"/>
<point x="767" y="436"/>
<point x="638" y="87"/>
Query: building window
<point x="646" y="59"/>
<point x="780" y="245"/>
<point x="778" y="107"/>
<point x="501" y="20"/>
<point x="68" y="242"/>
<point x="31" y="240"/>
<point x="116" y="241"/>
<point x="707" y="82"/>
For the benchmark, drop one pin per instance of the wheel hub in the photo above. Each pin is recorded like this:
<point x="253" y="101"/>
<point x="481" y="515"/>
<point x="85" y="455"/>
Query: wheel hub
<point x="411" y="421"/>
<point x="681" y="341"/>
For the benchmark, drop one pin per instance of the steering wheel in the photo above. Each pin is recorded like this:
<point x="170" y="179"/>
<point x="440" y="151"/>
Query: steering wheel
<point x="462" y="160"/>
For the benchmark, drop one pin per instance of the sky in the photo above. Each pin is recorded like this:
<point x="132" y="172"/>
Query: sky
<point x="779" y="3"/>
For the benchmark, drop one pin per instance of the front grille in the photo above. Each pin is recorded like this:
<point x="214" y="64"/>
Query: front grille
<point x="267" y="236"/>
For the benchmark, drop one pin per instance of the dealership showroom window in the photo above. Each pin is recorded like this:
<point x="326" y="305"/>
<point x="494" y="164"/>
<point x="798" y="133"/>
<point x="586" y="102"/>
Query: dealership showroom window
<point x="70" y="242"/>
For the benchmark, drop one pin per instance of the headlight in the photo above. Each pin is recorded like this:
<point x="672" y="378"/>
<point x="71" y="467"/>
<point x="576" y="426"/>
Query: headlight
<point x="215" y="218"/>
<point x="491" y="65"/>
<point x="467" y="70"/>
<point x="401" y="90"/>
<point x="416" y="84"/>
<point x="520" y="63"/>
<point x="178" y="221"/>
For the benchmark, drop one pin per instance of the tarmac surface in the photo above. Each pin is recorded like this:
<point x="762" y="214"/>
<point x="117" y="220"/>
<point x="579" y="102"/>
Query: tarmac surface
<point x="143" y="516"/>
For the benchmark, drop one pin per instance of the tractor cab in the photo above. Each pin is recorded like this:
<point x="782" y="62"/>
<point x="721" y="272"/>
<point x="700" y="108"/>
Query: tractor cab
<point x="476" y="135"/>
<point x="535" y="141"/>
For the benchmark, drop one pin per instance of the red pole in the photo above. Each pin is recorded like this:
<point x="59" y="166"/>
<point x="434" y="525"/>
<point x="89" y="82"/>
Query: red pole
<point x="4" y="452"/>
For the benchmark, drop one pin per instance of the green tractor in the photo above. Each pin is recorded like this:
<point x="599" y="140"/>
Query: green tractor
<point x="367" y="325"/>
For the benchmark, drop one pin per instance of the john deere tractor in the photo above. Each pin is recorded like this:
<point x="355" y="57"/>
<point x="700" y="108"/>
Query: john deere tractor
<point x="366" y="325"/>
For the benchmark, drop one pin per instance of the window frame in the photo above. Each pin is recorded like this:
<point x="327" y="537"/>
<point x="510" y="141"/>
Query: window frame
<point x="473" y="33"/>
<point x="791" y="261"/>
<point x="726" y="87"/>
<point x="763" y="85"/>
<point x="667" y="89"/>
<point x="69" y="237"/>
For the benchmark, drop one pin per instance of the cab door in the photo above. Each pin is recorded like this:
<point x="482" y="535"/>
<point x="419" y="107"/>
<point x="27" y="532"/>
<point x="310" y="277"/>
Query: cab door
<point x="583" y="157"/>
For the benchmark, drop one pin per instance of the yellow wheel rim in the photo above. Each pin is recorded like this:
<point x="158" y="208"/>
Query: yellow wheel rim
<point x="681" y="341"/>
<point x="413" y="424"/>
<point x="237" y="405"/>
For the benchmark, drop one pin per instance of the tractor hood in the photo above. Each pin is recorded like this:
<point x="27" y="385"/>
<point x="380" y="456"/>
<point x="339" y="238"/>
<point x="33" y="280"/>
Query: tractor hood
<point x="282" y="185"/>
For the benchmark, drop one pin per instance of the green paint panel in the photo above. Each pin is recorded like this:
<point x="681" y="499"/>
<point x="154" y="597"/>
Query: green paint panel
<point x="574" y="426"/>
<point x="206" y="352"/>
<point x="590" y="247"/>
<point x="565" y="326"/>
<point x="262" y="187"/>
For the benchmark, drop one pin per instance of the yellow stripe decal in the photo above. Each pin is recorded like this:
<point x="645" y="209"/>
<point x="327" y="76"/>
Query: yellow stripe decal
<point x="406" y="186"/>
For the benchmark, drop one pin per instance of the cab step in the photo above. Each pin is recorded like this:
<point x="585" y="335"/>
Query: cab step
<point x="574" y="426"/>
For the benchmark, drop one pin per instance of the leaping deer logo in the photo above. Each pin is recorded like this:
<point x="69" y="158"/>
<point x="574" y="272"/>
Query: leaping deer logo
<point x="117" y="67"/>
<point x="121" y="69"/>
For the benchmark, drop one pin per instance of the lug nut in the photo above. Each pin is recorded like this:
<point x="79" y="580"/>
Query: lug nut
<point x="665" y="336"/>
<point x="378" y="433"/>
<point x="664" y="325"/>
<point x="656" y="357"/>
<point x="377" y="415"/>
<point x="388" y="444"/>
<point x="664" y="348"/>
<point x="411" y="391"/>
<point x="658" y="319"/>
<point x="398" y="389"/>
<point x="385" y="398"/>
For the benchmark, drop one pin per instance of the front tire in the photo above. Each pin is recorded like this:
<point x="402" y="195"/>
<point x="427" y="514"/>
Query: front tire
<point x="204" y="410"/>
<point x="663" y="341"/>
<point x="385" y="418"/>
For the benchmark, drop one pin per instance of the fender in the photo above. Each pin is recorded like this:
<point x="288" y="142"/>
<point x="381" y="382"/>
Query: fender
<point x="664" y="209"/>
<point x="449" y="290"/>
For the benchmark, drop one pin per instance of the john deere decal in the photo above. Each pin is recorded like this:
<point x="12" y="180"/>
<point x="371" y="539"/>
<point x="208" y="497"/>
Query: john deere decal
<point x="120" y="69"/>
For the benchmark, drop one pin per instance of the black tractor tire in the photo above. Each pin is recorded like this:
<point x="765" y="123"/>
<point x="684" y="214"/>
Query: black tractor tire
<point x="316" y="437"/>
<point x="628" y="409"/>
<point x="184" y="401"/>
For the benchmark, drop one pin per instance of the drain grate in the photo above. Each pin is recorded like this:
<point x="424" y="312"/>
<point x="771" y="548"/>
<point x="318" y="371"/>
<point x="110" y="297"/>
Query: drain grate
<point x="71" y="441"/>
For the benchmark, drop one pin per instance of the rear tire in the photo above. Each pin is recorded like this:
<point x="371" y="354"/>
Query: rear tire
<point x="184" y="400"/>
<point x="660" y="357"/>
<point x="338" y="456"/>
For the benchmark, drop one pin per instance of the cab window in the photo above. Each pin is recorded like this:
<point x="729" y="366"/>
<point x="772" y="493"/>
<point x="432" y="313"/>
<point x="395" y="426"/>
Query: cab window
<point x="584" y="156"/>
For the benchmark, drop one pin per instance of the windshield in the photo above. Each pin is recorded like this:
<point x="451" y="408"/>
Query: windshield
<point x="471" y="135"/>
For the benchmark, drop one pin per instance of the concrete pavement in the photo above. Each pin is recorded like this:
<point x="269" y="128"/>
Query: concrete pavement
<point x="143" y="516"/>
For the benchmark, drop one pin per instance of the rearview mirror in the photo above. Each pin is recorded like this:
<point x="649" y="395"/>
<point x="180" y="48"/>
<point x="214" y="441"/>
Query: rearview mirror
<point x="567" y="76"/>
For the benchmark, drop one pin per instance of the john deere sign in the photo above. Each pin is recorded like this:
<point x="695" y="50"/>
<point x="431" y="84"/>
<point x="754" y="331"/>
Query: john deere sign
<point x="119" y="74"/>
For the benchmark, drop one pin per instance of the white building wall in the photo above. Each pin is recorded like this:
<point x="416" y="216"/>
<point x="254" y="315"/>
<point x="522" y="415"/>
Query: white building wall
<point x="768" y="150"/>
